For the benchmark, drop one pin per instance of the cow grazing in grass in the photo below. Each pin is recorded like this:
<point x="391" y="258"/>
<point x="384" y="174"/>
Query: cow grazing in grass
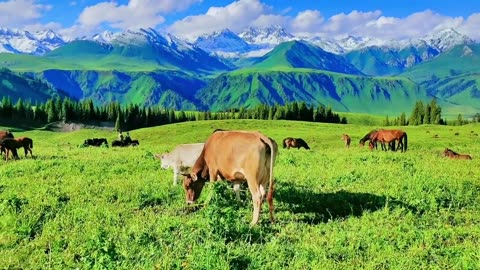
<point x="236" y="156"/>
<point x="181" y="159"/>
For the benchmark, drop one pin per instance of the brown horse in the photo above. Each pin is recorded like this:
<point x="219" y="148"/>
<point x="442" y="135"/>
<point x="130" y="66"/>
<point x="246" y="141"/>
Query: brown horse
<point x="369" y="136"/>
<point x="3" y="135"/>
<point x="11" y="144"/>
<point x="388" y="136"/>
<point x="451" y="154"/>
<point x="294" y="142"/>
<point x="347" y="140"/>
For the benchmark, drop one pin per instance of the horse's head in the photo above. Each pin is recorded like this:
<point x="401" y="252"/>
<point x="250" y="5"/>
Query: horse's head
<point x="447" y="152"/>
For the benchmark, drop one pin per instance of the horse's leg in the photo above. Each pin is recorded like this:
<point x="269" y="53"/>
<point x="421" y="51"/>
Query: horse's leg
<point x="25" y="149"/>
<point x="400" y="145"/>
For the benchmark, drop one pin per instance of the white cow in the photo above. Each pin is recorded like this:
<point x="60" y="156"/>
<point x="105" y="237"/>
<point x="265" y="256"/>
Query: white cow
<point x="181" y="159"/>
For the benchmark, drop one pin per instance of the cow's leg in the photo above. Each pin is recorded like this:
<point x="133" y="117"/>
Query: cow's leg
<point x="257" y="192"/>
<point x="176" y="171"/>
<point x="236" y="189"/>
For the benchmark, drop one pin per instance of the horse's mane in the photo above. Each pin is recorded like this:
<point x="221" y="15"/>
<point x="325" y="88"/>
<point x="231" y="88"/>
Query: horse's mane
<point x="367" y="136"/>
<point x="451" y="151"/>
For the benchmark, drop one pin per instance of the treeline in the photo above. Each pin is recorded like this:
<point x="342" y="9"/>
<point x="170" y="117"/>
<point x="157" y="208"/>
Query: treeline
<point x="430" y="113"/>
<point x="133" y="116"/>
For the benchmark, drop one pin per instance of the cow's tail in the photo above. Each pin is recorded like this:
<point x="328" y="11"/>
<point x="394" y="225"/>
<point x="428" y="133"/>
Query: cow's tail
<point x="273" y="153"/>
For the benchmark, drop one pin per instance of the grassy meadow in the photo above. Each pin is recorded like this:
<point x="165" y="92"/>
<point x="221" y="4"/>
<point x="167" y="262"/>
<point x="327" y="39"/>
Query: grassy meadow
<point x="114" y="208"/>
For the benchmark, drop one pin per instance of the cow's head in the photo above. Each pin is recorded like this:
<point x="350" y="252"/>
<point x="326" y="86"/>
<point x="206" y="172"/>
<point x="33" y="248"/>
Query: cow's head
<point x="193" y="186"/>
<point x="164" y="162"/>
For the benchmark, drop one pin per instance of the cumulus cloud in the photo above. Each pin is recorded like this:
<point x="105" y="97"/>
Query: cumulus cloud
<point x="18" y="13"/>
<point x="134" y="14"/>
<point x="470" y="26"/>
<point x="235" y="16"/>
<point x="308" y="21"/>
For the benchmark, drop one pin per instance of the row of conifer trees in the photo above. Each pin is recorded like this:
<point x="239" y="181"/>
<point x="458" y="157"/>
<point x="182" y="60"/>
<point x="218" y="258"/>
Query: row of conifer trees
<point x="134" y="116"/>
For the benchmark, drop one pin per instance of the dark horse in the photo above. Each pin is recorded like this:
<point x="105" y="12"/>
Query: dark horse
<point x="388" y="136"/>
<point x="294" y="142"/>
<point x="95" y="142"/>
<point x="4" y="135"/>
<point x="124" y="143"/>
<point x="451" y="154"/>
<point x="11" y="144"/>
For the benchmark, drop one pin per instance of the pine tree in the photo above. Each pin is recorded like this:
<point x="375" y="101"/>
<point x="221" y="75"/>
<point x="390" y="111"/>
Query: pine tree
<point x="119" y="121"/>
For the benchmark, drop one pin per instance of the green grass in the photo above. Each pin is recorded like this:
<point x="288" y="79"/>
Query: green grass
<point x="335" y="208"/>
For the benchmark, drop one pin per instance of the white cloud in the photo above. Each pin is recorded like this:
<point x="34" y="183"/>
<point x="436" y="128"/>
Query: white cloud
<point x="374" y="24"/>
<point x="18" y="13"/>
<point x="235" y="16"/>
<point x="307" y="21"/>
<point x="135" y="14"/>
<point x="470" y="26"/>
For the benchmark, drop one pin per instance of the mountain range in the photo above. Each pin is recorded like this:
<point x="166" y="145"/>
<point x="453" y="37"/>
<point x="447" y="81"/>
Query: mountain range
<point x="223" y="70"/>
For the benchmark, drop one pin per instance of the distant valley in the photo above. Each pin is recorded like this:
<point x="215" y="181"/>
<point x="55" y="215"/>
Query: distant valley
<point x="224" y="70"/>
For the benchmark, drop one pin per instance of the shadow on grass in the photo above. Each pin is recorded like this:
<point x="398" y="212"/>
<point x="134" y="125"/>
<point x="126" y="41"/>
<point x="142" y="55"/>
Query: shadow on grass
<point x="322" y="207"/>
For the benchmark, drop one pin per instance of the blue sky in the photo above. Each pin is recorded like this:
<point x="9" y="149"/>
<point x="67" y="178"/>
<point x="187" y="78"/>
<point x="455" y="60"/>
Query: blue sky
<point x="190" y="18"/>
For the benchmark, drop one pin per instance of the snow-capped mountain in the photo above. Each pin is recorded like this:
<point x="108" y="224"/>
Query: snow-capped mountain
<point x="440" y="41"/>
<point x="272" y="35"/>
<point x="223" y="41"/>
<point x="446" y="39"/>
<point x="142" y="36"/>
<point x="104" y="37"/>
<point x="24" y="42"/>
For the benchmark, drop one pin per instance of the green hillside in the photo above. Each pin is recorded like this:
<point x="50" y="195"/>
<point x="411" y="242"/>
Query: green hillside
<point x="250" y="87"/>
<point x="170" y="89"/>
<point x="462" y="59"/>
<point x="453" y="76"/>
<point x="297" y="54"/>
<point x="91" y="55"/>
<point x="379" y="61"/>
<point x="16" y="86"/>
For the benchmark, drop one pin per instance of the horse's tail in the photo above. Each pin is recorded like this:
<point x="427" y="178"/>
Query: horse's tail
<point x="31" y="144"/>
<point x="284" y="143"/>
<point x="405" y="142"/>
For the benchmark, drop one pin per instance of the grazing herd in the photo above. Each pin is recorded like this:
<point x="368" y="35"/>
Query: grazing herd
<point x="234" y="155"/>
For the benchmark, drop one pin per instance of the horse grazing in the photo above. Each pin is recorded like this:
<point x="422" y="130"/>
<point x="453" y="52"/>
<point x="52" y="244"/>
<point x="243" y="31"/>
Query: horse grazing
<point x="369" y="136"/>
<point x="347" y="140"/>
<point x="95" y="142"/>
<point x="388" y="136"/>
<point x="451" y="154"/>
<point x="295" y="142"/>
<point x="3" y="135"/>
<point x="12" y="144"/>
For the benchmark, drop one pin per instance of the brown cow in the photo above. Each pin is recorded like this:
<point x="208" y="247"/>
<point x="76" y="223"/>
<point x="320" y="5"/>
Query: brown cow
<point x="236" y="156"/>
